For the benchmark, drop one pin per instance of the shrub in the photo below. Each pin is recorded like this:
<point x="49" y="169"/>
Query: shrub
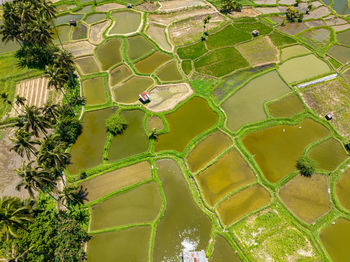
<point x="306" y="166"/>
<point x="116" y="124"/>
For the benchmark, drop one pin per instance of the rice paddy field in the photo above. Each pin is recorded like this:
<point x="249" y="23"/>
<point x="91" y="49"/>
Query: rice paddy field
<point x="232" y="113"/>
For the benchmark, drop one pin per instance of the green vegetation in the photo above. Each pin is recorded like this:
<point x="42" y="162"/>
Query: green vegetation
<point x="186" y="66"/>
<point x="220" y="62"/>
<point x="279" y="39"/>
<point x="227" y="6"/>
<point x="192" y="51"/>
<point x="227" y="37"/>
<point x="116" y="124"/>
<point x="306" y="166"/>
<point x="249" y="27"/>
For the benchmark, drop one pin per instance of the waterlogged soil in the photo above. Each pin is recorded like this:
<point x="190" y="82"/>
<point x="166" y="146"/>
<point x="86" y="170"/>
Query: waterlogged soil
<point x="152" y="62"/>
<point x="329" y="154"/>
<point x="126" y="22"/>
<point x="169" y="72"/>
<point x="227" y="174"/>
<point x="87" y="65"/>
<point x="340" y="53"/>
<point x="206" y="150"/>
<point x="335" y="238"/>
<point x="154" y="122"/>
<point x="259" y="90"/>
<point x="128" y="91"/>
<point x="138" y="205"/>
<point x="157" y="33"/>
<point x="307" y="197"/>
<point x="116" y="246"/>
<point x="133" y="140"/>
<point x="242" y="203"/>
<point x="286" y="107"/>
<point x="88" y="149"/>
<point x="138" y="47"/>
<point x="223" y="252"/>
<point x="187" y="122"/>
<point x="342" y="189"/>
<point x="292" y="51"/>
<point x="184" y="223"/>
<point x="94" y="91"/>
<point x="118" y="74"/>
<point x="110" y="182"/>
<point x="272" y="150"/>
<point x="109" y="53"/>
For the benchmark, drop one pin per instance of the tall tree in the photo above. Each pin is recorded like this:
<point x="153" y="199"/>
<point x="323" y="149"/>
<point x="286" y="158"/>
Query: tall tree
<point x="50" y="111"/>
<point x="57" y="78"/>
<point x="14" y="214"/>
<point x="73" y="196"/>
<point x="23" y="143"/>
<point x="34" y="120"/>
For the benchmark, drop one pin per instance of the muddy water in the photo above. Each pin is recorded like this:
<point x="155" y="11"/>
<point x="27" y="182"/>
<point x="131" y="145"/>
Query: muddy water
<point x="109" y="53"/>
<point x="154" y="122"/>
<point x="158" y="34"/>
<point x="183" y="225"/>
<point x="169" y="72"/>
<point x="307" y="197"/>
<point x="341" y="53"/>
<point x="342" y="189"/>
<point x="66" y="18"/>
<point x="94" y="91"/>
<point x="152" y="62"/>
<point x="207" y="150"/>
<point x="294" y="50"/>
<point x="119" y="74"/>
<point x="94" y="18"/>
<point x="336" y="238"/>
<point x="242" y="203"/>
<point x="125" y="245"/>
<point x="87" y="65"/>
<point x="187" y="122"/>
<point x="223" y="252"/>
<point x="276" y="149"/>
<point x="286" y="107"/>
<point x="259" y="90"/>
<point x="63" y="32"/>
<point x="138" y="47"/>
<point x="341" y="7"/>
<point x="128" y="92"/>
<point x="329" y="154"/>
<point x="79" y="32"/>
<point x="126" y="22"/>
<point x="133" y="140"/>
<point x="230" y="172"/>
<point x="138" y="205"/>
<point x="88" y="149"/>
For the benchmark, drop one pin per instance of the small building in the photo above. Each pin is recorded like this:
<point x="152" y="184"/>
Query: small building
<point x="129" y="5"/>
<point x="255" y="33"/>
<point x="144" y="97"/>
<point x="73" y="22"/>
<point x="194" y="256"/>
<point x="329" y="116"/>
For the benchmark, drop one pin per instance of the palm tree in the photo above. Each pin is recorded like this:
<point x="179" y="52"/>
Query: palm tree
<point x="64" y="60"/>
<point x="20" y="100"/>
<point x="57" y="79"/>
<point x="33" y="120"/>
<point x="50" y="111"/>
<point x="23" y="144"/>
<point x="35" y="179"/>
<point x="4" y="97"/>
<point x="52" y="154"/>
<point x="73" y="196"/>
<point x="14" y="214"/>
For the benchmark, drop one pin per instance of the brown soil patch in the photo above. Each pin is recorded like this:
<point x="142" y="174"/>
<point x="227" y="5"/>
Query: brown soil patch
<point x="108" y="7"/>
<point x="147" y="6"/>
<point x="80" y="48"/>
<point x="247" y="11"/>
<point x="318" y="13"/>
<point x="186" y="31"/>
<point x="9" y="160"/>
<point x="166" y="97"/>
<point x="167" y="6"/>
<point x="96" y="32"/>
<point x="332" y="96"/>
<point x="117" y="179"/>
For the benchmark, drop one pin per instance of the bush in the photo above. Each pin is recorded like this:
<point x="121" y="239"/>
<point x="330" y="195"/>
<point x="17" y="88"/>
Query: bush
<point x="306" y="166"/>
<point x="69" y="129"/>
<point x="116" y="124"/>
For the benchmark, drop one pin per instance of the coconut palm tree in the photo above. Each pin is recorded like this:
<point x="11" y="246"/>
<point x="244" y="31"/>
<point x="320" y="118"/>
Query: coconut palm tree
<point x="35" y="179"/>
<point x="52" y="155"/>
<point x="64" y="60"/>
<point x="57" y="78"/>
<point x="50" y="111"/>
<point x="23" y="143"/>
<point x="34" y="120"/>
<point x="73" y="196"/>
<point x="20" y="100"/>
<point x="14" y="214"/>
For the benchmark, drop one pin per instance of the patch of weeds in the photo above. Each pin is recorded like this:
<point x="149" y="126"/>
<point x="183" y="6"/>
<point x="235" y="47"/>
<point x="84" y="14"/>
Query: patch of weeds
<point x="249" y="27"/>
<point x="227" y="37"/>
<point x="281" y="40"/>
<point x="244" y="20"/>
<point x="334" y="62"/>
<point x="203" y="86"/>
<point x="186" y="66"/>
<point x="192" y="51"/>
<point x="220" y="62"/>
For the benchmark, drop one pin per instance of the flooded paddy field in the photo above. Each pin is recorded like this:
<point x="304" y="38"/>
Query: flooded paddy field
<point x="209" y="161"/>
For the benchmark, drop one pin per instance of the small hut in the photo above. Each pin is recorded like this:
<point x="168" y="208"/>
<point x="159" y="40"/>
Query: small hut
<point x="129" y="5"/>
<point x="347" y="147"/>
<point x="329" y="116"/>
<point x="144" y="97"/>
<point x="255" y="33"/>
<point x="194" y="256"/>
<point x="73" y="22"/>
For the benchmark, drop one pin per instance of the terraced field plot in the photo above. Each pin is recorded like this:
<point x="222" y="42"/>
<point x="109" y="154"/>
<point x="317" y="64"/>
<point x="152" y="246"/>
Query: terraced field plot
<point x="209" y="162"/>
